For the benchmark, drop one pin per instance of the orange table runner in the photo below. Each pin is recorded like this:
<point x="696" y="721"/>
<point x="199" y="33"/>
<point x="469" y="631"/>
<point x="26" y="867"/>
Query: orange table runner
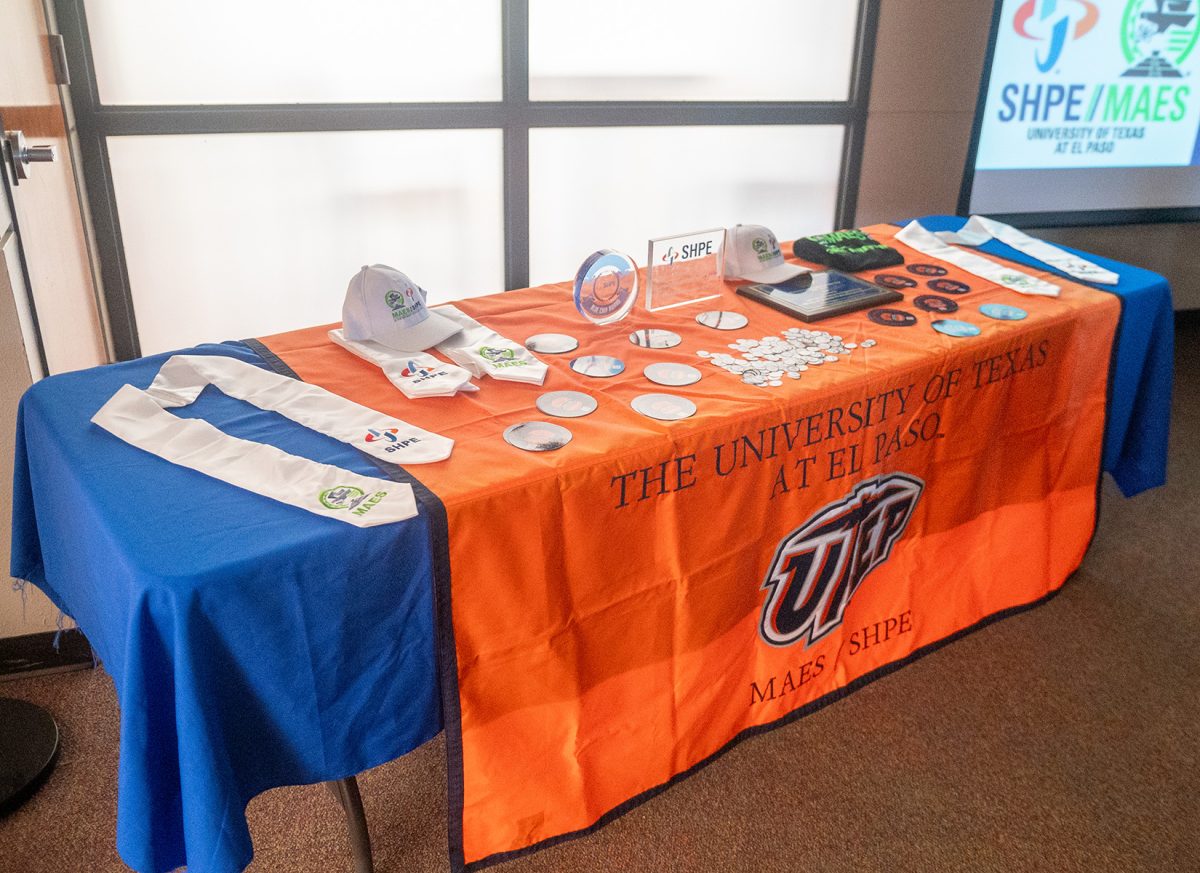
<point x="617" y="612"/>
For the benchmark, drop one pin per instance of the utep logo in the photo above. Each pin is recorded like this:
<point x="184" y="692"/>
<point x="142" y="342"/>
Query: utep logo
<point x="1051" y="21"/>
<point x="388" y="434"/>
<point x="818" y="566"/>
<point x="1157" y="36"/>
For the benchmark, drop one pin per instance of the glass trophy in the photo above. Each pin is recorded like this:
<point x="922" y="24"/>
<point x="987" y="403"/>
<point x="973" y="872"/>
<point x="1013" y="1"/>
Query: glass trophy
<point x="684" y="269"/>
<point x="606" y="286"/>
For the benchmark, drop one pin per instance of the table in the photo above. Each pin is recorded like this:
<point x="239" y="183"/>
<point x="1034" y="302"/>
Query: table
<point x="254" y="646"/>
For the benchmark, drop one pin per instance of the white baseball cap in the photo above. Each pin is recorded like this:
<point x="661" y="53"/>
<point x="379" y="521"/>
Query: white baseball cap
<point x="385" y="306"/>
<point x="752" y="253"/>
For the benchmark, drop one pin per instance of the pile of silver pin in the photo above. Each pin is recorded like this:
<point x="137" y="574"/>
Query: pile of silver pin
<point x="766" y="362"/>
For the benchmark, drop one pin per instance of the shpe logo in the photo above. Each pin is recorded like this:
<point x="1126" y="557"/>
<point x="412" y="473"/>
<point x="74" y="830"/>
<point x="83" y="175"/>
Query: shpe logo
<point x="388" y="434"/>
<point x="819" y="566"/>
<point x="348" y="497"/>
<point x="1157" y="36"/>
<point x="412" y="368"/>
<point x="1054" y="22"/>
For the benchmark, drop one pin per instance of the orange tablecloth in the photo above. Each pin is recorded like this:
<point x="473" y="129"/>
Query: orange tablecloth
<point x="617" y="612"/>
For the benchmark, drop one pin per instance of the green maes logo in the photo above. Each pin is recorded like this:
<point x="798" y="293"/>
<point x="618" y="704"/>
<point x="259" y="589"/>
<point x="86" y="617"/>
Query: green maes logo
<point x="488" y="353"/>
<point x="406" y="305"/>
<point x="500" y="358"/>
<point x="357" y="501"/>
<point x="1157" y="36"/>
<point x="341" y="497"/>
<point x="766" y="248"/>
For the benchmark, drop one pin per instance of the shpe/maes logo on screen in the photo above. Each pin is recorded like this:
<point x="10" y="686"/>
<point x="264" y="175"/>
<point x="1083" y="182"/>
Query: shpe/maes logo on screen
<point x="1054" y="22"/>
<point x="1157" y="36"/>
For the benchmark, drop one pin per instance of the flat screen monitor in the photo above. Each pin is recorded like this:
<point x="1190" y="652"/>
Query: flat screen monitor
<point x="1089" y="112"/>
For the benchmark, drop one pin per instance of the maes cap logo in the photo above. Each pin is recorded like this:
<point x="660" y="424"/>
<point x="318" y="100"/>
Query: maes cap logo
<point x="404" y="304"/>
<point x="1054" y="22"/>
<point x="1157" y="36"/>
<point x="765" y="247"/>
<point x="818" y="567"/>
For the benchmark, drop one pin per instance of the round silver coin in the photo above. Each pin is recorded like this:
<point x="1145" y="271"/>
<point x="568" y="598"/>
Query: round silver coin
<point x="566" y="404"/>
<point x="598" y="366"/>
<point x="664" y="407"/>
<point x="551" y="343"/>
<point x="722" y="319"/>
<point x="674" y="375"/>
<point x="537" y="436"/>
<point x="655" y="339"/>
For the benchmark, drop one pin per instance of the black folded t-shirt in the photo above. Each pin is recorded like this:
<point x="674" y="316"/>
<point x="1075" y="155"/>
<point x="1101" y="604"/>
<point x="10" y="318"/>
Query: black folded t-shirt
<point x="847" y="250"/>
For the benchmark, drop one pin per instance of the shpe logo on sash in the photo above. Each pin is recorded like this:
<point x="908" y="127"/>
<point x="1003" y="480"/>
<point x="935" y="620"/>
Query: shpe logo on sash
<point x="820" y="565"/>
<point x="413" y="370"/>
<point x="374" y="435"/>
<point x="348" y="497"/>
<point x="388" y="435"/>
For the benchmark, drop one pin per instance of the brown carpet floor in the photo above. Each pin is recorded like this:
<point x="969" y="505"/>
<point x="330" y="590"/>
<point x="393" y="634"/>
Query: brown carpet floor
<point x="1063" y="739"/>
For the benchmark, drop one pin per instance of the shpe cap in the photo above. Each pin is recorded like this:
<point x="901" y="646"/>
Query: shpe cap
<point x="387" y="307"/>
<point x="753" y="253"/>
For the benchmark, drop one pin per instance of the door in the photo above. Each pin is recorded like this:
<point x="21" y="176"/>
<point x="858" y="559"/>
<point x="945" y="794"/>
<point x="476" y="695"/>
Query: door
<point x="46" y="272"/>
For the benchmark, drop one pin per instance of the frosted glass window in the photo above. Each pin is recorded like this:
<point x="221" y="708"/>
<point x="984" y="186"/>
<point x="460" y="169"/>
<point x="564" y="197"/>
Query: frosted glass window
<point x="683" y="50"/>
<point x="294" y="51"/>
<point x="593" y="188"/>
<point x="241" y="235"/>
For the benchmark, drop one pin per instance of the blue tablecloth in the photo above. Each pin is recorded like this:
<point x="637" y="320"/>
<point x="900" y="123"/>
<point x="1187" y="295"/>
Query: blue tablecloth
<point x="252" y="644"/>
<point x="1139" y="414"/>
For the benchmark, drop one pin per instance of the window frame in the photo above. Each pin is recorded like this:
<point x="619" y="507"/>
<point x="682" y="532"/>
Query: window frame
<point x="514" y="115"/>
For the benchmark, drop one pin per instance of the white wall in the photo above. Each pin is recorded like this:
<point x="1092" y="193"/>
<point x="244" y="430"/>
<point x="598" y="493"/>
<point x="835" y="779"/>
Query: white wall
<point x="35" y="613"/>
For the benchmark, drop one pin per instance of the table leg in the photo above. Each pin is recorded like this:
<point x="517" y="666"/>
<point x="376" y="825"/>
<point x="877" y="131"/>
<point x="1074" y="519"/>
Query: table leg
<point x="347" y="794"/>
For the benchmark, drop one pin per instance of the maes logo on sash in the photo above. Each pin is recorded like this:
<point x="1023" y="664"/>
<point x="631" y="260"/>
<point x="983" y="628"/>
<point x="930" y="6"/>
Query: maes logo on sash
<point x="349" y="497"/>
<point x="818" y="567"/>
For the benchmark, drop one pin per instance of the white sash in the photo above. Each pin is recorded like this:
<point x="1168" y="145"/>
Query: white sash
<point x="140" y="419"/>
<point x="484" y="352"/>
<point x="980" y="229"/>
<point x="417" y="374"/>
<point x="915" y="236"/>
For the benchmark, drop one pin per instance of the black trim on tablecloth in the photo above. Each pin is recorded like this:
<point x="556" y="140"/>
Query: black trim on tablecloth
<point x="447" y="655"/>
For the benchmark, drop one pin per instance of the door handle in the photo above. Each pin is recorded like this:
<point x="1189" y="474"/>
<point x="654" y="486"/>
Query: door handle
<point x="18" y="154"/>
